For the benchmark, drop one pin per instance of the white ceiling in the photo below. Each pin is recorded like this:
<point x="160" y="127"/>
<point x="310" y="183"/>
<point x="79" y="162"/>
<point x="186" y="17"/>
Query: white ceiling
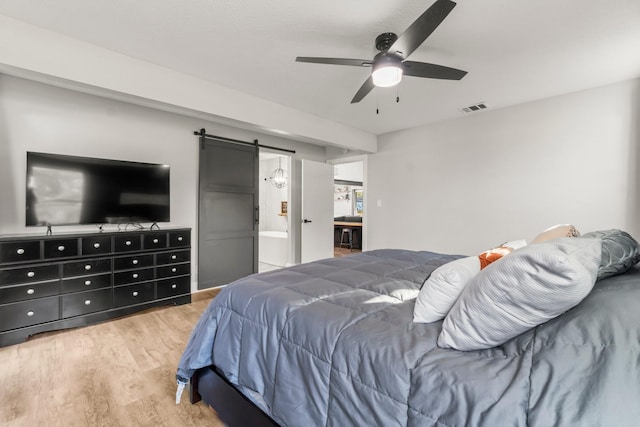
<point x="515" y="51"/>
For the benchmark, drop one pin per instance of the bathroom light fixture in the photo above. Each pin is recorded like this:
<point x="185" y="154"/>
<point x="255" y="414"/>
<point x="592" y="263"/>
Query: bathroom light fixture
<point x="279" y="176"/>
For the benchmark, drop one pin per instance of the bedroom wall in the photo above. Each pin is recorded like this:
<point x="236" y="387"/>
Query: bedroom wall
<point x="39" y="117"/>
<point x="465" y="185"/>
<point x="56" y="59"/>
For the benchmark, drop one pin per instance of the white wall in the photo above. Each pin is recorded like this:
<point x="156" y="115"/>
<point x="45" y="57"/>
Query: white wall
<point x="39" y="117"/>
<point x="465" y="185"/>
<point x="352" y="171"/>
<point x="32" y="52"/>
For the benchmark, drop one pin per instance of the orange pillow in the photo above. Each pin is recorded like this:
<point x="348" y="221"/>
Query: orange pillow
<point x="492" y="255"/>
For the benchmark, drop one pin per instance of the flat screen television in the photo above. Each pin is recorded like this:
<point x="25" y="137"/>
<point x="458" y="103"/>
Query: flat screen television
<point x="69" y="190"/>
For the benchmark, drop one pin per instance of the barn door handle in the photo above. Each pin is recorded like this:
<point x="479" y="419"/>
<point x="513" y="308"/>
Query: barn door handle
<point x="306" y="221"/>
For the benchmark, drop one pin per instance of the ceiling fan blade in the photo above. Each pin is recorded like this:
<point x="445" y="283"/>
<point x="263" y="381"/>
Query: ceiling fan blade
<point x="422" y="28"/>
<point x="366" y="87"/>
<point x="432" y="71"/>
<point x="336" y="61"/>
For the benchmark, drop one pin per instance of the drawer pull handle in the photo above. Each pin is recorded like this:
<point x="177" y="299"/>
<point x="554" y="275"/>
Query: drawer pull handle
<point x="174" y="257"/>
<point x="20" y="251"/>
<point x="135" y="293"/>
<point x="31" y="274"/>
<point x="96" y="245"/>
<point x="87" y="267"/>
<point x="134" y="262"/>
<point x="87" y="302"/>
<point x="174" y="286"/>
<point x="128" y="243"/>
<point x="30" y="313"/>
<point x="173" y="270"/>
<point x="134" y="275"/>
<point x="180" y="239"/>
<point x="30" y="291"/>
<point x="87" y="282"/>
<point x="155" y="240"/>
<point x="61" y="248"/>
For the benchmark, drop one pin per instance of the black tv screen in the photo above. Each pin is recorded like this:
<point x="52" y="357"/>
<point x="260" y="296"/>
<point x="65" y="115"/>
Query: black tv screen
<point x="66" y="190"/>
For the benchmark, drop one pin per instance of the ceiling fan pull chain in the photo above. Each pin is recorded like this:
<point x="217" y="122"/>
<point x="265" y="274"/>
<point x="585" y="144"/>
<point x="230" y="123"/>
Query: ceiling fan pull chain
<point x="397" y="94"/>
<point x="377" y="104"/>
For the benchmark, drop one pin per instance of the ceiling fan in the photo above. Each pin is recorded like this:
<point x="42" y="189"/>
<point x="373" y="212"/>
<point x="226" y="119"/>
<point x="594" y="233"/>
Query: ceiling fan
<point x="388" y="66"/>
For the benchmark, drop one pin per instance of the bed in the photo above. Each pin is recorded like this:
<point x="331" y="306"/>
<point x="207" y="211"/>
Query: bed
<point x="333" y="343"/>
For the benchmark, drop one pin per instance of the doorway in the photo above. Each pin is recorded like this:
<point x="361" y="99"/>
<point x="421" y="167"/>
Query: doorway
<point x="348" y="207"/>
<point x="245" y="192"/>
<point x="274" y="201"/>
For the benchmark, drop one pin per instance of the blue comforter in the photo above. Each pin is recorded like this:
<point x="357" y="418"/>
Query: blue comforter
<point x="332" y="343"/>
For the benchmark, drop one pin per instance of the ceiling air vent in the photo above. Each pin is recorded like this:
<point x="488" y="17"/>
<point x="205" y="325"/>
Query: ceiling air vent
<point x="476" y="107"/>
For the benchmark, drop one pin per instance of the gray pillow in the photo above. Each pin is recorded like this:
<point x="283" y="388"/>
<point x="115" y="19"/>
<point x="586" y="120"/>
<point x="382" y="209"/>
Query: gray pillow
<point x="620" y="252"/>
<point x="524" y="289"/>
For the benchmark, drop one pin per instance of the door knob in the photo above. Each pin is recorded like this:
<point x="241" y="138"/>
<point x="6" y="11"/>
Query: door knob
<point x="306" y="221"/>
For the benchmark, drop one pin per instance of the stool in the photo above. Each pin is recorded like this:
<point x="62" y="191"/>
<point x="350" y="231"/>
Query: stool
<point x="349" y="233"/>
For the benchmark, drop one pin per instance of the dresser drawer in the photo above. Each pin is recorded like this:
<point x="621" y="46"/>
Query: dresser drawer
<point x="168" y="288"/>
<point x="179" y="239"/>
<point x="79" y="284"/>
<point x="27" y="313"/>
<point x="86" y="302"/>
<point x="173" y="270"/>
<point x="19" y="251"/>
<point x="81" y="268"/>
<point x="173" y="257"/>
<point x="127" y="243"/>
<point x="134" y="261"/>
<point x="133" y="294"/>
<point x="60" y="248"/>
<point x="28" y="274"/>
<point x="27" y="292"/>
<point x="132" y="276"/>
<point x="154" y="240"/>
<point x="97" y="245"/>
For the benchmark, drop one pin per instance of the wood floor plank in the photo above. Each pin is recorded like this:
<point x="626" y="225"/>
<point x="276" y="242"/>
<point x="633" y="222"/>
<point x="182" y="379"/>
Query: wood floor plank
<point x="117" y="373"/>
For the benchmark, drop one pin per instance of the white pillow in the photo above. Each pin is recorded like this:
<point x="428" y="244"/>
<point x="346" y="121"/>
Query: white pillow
<point x="527" y="288"/>
<point x="441" y="290"/>
<point x="556" y="232"/>
<point x="445" y="284"/>
<point x="515" y="244"/>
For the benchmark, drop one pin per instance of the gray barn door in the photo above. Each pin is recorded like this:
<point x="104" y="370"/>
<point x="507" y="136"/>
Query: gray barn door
<point x="227" y="226"/>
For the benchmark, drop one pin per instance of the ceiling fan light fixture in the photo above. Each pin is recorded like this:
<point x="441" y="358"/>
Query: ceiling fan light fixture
<point x="387" y="75"/>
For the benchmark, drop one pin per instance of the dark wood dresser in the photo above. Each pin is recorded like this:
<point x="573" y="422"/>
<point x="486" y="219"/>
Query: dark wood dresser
<point x="70" y="280"/>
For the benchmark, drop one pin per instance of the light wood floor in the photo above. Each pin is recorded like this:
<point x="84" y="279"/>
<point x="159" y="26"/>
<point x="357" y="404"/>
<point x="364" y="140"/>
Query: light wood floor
<point x="338" y="252"/>
<point x="117" y="373"/>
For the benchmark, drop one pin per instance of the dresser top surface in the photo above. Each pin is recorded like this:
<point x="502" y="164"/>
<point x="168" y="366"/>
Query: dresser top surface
<point x="87" y="233"/>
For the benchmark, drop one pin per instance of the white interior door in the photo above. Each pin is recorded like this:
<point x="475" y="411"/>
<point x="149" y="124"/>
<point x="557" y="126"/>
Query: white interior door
<point x="317" y="211"/>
